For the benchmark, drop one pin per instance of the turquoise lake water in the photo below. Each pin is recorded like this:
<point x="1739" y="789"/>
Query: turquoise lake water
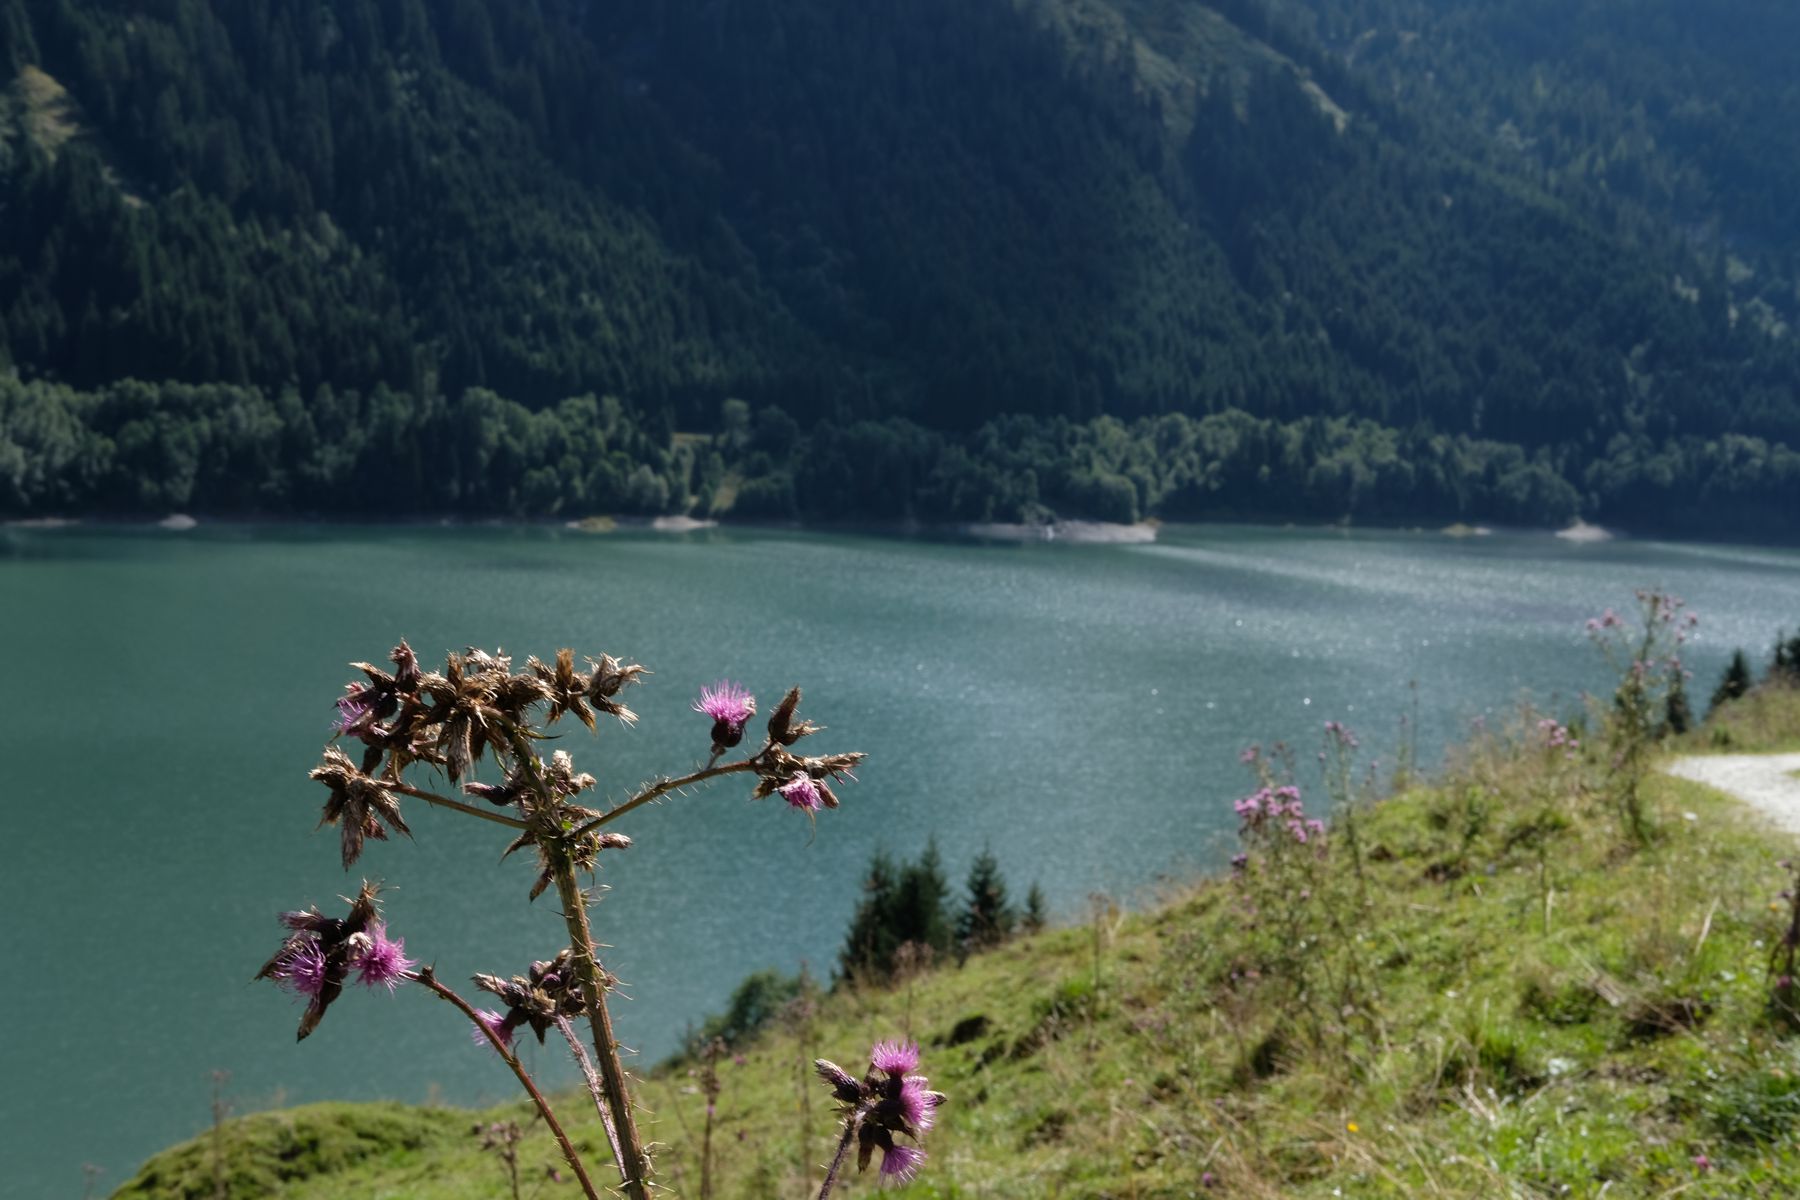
<point x="1076" y="708"/>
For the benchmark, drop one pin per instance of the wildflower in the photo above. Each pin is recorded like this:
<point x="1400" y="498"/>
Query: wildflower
<point x="353" y="712"/>
<point x="490" y="1024"/>
<point x="889" y="1102"/>
<point x="304" y="970"/>
<point x="896" y="1058"/>
<point x="383" y="962"/>
<point x="901" y="1163"/>
<point x="730" y="706"/>
<point x="917" y="1108"/>
<point x="802" y="793"/>
<point x="1352" y="1127"/>
<point x="1703" y="1163"/>
<point x="318" y="953"/>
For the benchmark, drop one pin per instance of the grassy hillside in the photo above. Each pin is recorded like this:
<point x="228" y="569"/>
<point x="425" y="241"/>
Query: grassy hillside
<point x="1511" y="1002"/>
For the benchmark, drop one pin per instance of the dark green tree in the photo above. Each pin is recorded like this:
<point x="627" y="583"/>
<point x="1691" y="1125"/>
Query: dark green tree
<point x="1678" y="717"/>
<point x="869" y="945"/>
<point x="1785" y="667"/>
<point x="1036" y="913"/>
<point x="986" y="919"/>
<point x="1735" y="683"/>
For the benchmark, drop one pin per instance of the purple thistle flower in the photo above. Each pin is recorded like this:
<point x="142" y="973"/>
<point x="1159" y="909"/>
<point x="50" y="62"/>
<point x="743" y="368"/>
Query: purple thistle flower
<point x="900" y="1163"/>
<point x="917" y="1104"/>
<point x="726" y="701"/>
<point x="384" y="962"/>
<point x="729" y="706"/>
<point x="352" y="711"/>
<point x="802" y="793"/>
<point x="303" y="971"/>
<point x="491" y="1022"/>
<point x="896" y="1058"/>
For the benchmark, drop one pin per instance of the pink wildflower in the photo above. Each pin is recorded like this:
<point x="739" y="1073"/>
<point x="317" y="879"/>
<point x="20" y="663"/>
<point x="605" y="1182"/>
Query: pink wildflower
<point x="901" y="1163"/>
<point x="383" y="963"/>
<point x="802" y="793"/>
<point x="896" y="1058"/>
<point x="489" y="1022"/>
<point x="304" y="969"/>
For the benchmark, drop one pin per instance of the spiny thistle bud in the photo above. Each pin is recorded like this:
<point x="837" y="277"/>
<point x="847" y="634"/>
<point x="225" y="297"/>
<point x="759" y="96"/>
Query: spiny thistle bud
<point x="783" y="729"/>
<point x="843" y="1084"/>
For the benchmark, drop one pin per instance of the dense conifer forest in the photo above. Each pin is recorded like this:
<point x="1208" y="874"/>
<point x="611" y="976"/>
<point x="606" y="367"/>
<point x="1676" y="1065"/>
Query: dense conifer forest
<point x="941" y="260"/>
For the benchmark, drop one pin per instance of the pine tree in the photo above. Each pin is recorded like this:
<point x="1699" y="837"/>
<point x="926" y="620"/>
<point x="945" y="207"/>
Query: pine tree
<point x="869" y="945"/>
<point x="986" y="919"/>
<point x="1734" y="683"/>
<point x="1035" y="915"/>
<point x="1786" y="665"/>
<point x="1678" y="717"/>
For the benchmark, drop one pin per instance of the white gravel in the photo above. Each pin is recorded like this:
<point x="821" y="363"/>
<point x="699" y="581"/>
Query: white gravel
<point x="1763" y="781"/>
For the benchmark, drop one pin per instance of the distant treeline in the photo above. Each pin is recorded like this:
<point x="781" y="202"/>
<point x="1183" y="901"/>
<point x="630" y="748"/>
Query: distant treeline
<point x="133" y="448"/>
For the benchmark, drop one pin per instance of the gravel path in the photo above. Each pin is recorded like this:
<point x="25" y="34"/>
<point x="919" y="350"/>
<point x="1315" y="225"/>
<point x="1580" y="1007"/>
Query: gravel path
<point x="1763" y="781"/>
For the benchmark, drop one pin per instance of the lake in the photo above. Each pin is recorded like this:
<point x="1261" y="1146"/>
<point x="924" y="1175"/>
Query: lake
<point x="1078" y="709"/>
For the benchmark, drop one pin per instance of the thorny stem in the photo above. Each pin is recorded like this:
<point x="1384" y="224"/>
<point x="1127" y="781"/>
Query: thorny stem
<point x="837" y="1160"/>
<point x="664" y="787"/>
<point x="555" y="843"/>
<point x="485" y="814"/>
<point x="426" y="978"/>
<point x="592" y="1080"/>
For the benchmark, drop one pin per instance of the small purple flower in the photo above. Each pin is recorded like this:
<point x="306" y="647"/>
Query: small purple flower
<point x="353" y="711"/>
<point x="726" y="701"/>
<point x="802" y="793"/>
<point x="383" y="963"/>
<point x="1240" y="862"/>
<point x="489" y="1022"/>
<point x="901" y="1163"/>
<point x="730" y="706"/>
<point x="1703" y="1163"/>
<point x="917" y="1103"/>
<point x="896" y="1058"/>
<point x="1249" y="754"/>
<point x="303" y="971"/>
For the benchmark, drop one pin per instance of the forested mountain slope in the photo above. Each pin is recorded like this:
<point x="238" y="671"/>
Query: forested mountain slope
<point x="942" y="212"/>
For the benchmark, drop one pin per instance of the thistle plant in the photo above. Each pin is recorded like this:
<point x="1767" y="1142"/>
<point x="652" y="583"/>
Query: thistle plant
<point x="889" y="1102"/>
<point x="1645" y="653"/>
<point x="415" y="727"/>
<point x="1300" y="883"/>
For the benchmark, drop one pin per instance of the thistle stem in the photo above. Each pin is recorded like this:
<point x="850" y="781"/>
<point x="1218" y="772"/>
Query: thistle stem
<point x="837" y="1160"/>
<point x="427" y="979"/>
<point x="664" y="787"/>
<point x="556" y="847"/>
<point x="586" y="1065"/>
<point x="407" y="789"/>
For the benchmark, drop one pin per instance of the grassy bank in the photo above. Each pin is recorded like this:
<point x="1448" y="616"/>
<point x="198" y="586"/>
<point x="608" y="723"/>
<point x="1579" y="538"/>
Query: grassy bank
<point x="1509" y="999"/>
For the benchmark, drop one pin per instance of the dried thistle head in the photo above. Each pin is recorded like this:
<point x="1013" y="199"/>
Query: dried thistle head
<point x="784" y="728"/>
<point x="359" y="804"/>
<point x="607" y="678"/>
<point x="547" y="992"/>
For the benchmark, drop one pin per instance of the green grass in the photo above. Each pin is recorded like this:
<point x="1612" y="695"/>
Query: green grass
<point x="1767" y="721"/>
<point x="1582" y="1022"/>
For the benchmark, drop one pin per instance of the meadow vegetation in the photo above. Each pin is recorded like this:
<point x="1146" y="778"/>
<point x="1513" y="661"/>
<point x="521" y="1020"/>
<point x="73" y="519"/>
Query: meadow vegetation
<point x="1485" y="984"/>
